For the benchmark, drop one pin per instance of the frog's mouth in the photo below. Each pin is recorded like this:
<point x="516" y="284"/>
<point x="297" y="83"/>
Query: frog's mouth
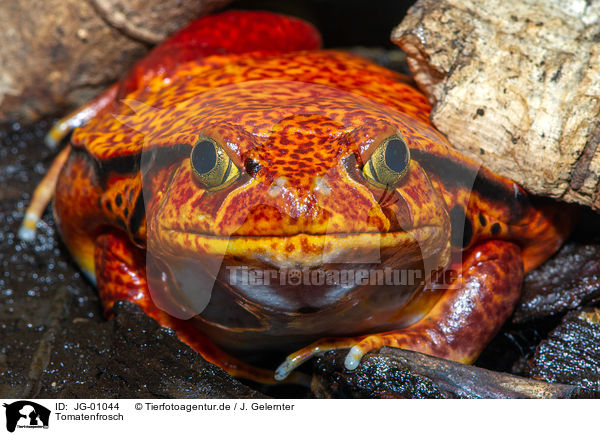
<point x="199" y="259"/>
<point x="303" y="250"/>
<point x="229" y="309"/>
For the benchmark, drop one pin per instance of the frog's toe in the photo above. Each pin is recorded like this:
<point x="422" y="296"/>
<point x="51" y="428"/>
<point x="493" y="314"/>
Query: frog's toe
<point x="28" y="227"/>
<point x="57" y="133"/>
<point x="284" y="369"/>
<point x="353" y="357"/>
<point x="372" y="342"/>
<point x="318" y="347"/>
<point x="292" y="362"/>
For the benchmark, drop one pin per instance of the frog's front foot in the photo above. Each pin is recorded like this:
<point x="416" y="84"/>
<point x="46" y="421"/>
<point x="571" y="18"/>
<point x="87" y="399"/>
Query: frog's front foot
<point x="297" y="358"/>
<point x="458" y="327"/>
<point x="358" y="346"/>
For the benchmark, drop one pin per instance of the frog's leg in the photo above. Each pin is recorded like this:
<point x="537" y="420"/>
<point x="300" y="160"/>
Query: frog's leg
<point x="120" y="275"/>
<point x="41" y="196"/>
<point x="253" y="33"/>
<point x="458" y="327"/>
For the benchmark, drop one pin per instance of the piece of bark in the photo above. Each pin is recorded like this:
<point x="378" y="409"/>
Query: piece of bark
<point x="571" y="353"/>
<point x="515" y="86"/>
<point x="569" y="280"/>
<point x="57" y="54"/>
<point x="397" y="373"/>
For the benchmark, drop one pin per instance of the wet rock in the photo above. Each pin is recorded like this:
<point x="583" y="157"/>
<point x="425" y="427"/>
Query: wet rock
<point x="569" y="280"/>
<point x="131" y="356"/>
<point x="397" y="373"/>
<point x="514" y="345"/>
<point x="571" y="352"/>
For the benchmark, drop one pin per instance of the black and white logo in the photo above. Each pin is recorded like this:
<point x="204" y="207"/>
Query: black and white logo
<point x="26" y="414"/>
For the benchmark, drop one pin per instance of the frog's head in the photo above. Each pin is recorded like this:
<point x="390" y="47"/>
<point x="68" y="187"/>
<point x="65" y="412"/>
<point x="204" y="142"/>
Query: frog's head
<point x="273" y="176"/>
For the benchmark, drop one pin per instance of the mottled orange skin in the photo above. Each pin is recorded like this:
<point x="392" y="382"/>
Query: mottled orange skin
<point x="300" y="125"/>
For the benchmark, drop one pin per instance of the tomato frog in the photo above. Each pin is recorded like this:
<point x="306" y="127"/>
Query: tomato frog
<point x="261" y="196"/>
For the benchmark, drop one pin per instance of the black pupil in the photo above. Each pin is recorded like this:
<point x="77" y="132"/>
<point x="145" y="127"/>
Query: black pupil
<point x="396" y="155"/>
<point x="204" y="157"/>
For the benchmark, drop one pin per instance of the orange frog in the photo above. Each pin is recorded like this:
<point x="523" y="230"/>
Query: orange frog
<point x="259" y="195"/>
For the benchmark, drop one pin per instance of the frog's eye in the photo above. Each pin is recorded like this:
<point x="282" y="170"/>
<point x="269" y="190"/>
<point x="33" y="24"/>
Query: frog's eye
<point x="388" y="164"/>
<point x="211" y="165"/>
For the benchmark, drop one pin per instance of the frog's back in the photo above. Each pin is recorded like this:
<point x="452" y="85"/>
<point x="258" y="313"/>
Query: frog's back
<point x="183" y="87"/>
<point x="337" y="69"/>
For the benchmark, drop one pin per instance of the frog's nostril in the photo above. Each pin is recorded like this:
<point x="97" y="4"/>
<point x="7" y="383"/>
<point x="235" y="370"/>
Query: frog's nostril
<point x="252" y="166"/>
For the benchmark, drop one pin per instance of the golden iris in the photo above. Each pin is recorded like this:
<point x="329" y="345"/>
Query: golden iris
<point x="211" y="165"/>
<point x="388" y="164"/>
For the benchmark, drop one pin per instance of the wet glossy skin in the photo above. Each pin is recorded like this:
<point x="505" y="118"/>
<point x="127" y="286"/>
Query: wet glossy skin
<point x="300" y="127"/>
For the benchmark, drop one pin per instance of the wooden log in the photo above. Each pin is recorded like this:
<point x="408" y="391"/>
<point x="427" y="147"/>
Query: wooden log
<point x="515" y="86"/>
<point x="397" y="373"/>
